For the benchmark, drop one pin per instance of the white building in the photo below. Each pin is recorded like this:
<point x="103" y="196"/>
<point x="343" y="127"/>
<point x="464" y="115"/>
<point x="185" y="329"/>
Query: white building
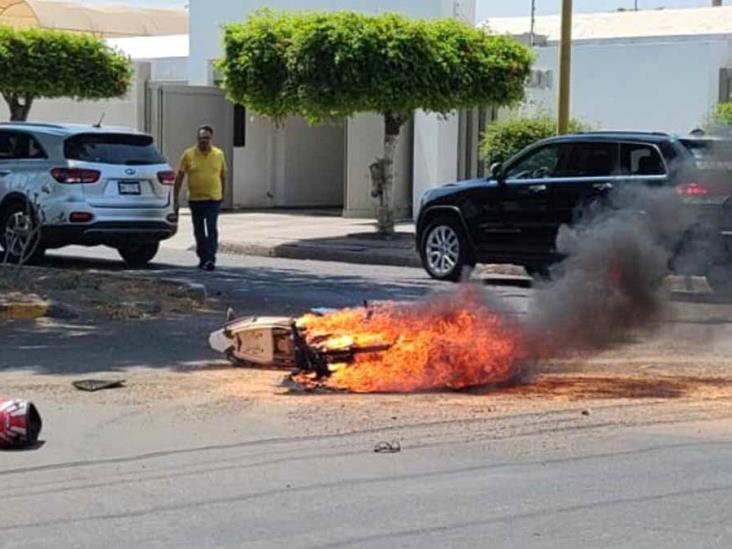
<point x="297" y="165"/>
<point x="659" y="70"/>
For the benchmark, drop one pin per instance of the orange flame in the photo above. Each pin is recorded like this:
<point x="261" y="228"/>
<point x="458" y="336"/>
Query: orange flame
<point x="454" y="343"/>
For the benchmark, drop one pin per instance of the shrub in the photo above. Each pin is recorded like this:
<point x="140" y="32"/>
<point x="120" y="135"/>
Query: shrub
<point x="720" y="119"/>
<point x="505" y="138"/>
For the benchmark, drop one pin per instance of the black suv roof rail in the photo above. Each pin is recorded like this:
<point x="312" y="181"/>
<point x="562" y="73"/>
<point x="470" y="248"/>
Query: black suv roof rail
<point x="620" y="132"/>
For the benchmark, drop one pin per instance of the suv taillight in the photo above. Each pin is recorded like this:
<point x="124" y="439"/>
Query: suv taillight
<point x="166" y="178"/>
<point x="693" y="190"/>
<point x="73" y="176"/>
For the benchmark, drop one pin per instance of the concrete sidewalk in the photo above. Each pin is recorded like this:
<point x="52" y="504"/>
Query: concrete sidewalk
<point x="316" y="235"/>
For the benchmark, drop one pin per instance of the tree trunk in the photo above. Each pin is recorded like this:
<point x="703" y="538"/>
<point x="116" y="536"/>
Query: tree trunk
<point x="18" y="110"/>
<point x="383" y="173"/>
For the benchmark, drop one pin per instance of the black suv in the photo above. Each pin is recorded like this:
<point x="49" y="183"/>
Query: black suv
<point x="514" y="215"/>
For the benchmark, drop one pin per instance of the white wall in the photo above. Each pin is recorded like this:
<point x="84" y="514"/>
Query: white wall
<point x="435" y="154"/>
<point x="654" y="85"/>
<point x="255" y="171"/>
<point x="293" y="165"/>
<point x="313" y="175"/>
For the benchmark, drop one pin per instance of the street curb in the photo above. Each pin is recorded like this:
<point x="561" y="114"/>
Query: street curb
<point x="24" y="310"/>
<point x="362" y="255"/>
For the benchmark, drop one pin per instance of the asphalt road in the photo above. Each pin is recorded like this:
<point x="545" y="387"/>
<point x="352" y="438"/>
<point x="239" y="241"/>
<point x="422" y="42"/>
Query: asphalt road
<point x="647" y="487"/>
<point x="140" y="476"/>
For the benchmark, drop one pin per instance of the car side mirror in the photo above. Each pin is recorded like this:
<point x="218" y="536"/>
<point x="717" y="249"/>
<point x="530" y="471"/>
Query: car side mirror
<point x="496" y="171"/>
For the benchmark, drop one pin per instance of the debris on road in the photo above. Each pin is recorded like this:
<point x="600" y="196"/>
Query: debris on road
<point x="20" y="424"/>
<point x="388" y="447"/>
<point x="93" y="385"/>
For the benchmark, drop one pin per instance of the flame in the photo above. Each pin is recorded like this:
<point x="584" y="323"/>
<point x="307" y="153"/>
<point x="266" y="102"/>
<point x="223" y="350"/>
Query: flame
<point x="454" y="343"/>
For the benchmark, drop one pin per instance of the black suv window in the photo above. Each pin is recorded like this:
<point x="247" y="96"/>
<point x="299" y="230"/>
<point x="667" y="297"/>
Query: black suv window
<point x="19" y="146"/>
<point x="640" y="159"/>
<point x="588" y="160"/>
<point x="110" y="148"/>
<point x="538" y="164"/>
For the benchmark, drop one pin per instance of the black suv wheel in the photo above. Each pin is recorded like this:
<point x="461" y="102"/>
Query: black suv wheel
<point x="445" y="249"/>
<point x="138" y="254"/>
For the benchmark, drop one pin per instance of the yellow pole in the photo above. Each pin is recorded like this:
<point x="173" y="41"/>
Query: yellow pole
<point x="565" y="66"/>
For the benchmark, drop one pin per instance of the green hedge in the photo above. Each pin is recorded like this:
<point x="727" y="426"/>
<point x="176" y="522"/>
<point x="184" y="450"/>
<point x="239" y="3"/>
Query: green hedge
<point x="505" y="138"/>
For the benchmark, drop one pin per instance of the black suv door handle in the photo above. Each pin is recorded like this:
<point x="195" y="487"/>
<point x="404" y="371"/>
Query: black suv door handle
<point x="5" y="173"/>
<point x="537" y="188"/>
<point x="603" y="186"/>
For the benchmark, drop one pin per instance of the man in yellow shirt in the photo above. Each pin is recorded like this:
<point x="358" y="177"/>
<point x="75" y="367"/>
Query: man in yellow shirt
<point x="205" y="167"/>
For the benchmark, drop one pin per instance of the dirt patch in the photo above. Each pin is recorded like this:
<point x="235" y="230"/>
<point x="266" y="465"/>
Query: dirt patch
<point x="618" y="387"/>
<point x="97" y="296"/>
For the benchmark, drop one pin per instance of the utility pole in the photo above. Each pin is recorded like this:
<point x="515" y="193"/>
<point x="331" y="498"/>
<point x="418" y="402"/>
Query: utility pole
<point x="533" y="23"/>
<point x="565" y="67"/>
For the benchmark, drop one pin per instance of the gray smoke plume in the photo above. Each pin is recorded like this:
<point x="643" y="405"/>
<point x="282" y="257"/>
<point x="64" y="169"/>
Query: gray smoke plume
<point x="611" y="283"/>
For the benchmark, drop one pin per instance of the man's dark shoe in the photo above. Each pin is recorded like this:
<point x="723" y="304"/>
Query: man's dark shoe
<point x="201" y="264"/>
<point x="209" y="266"/>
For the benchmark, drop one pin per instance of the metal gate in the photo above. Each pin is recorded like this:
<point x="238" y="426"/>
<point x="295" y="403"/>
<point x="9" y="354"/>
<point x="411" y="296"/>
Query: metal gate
<point x="173" y="113"/>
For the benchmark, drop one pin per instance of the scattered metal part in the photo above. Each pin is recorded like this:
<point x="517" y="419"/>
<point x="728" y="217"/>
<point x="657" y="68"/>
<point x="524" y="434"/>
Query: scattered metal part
<point x="93" y="385"/>
<point x="392" y="447"/>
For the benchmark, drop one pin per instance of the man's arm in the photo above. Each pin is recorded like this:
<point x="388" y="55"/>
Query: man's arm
<point x="176" y="189"/>
<point x="223" y="179"/>
<point x="179" y="176"/>
<point x="223" y="183"/>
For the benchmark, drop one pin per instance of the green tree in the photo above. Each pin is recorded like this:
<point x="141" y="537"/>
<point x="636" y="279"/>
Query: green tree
<point x="719" y="120"/>
<point x="332" y="65"/>
<point x="505" y="138"/>
<point x="37" y="63"/>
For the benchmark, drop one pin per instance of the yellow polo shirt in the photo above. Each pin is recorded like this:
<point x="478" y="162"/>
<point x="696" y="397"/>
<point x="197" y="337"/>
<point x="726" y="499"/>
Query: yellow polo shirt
<point x="203" y="172"/>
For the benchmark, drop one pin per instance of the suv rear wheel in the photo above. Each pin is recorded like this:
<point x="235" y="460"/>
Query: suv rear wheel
<point x="138" y="254"/>
<point x="445" y="250"/>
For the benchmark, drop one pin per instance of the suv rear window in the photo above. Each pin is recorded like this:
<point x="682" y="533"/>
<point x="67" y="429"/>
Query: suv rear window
<point x="110" y="148"/>
<point x="709" y="154"/>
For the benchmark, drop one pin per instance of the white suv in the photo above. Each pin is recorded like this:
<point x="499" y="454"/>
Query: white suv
<point x="84" y="185"/>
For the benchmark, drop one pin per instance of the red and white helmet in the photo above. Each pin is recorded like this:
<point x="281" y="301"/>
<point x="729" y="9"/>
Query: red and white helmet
<point x="20" y="423"/>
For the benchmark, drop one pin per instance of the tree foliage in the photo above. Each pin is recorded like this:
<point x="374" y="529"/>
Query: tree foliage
<point x="505" y="138"/>
<point x="333" y="65"/>
<point x="720" y="119"/>
<point x="37" y="63"/>
<point x="327" y="65"/>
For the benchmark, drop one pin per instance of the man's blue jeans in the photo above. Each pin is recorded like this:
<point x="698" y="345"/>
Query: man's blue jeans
<point x="205" y="214"/>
